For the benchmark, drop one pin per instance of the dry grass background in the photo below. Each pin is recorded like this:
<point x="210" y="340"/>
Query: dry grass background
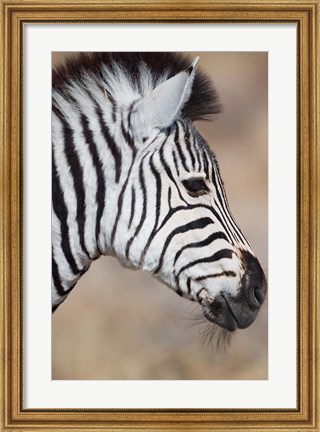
<point x="121" y="324"/>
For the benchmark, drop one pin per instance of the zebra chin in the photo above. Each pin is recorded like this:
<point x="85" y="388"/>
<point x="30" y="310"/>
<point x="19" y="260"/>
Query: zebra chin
<point x="237" y="311"/>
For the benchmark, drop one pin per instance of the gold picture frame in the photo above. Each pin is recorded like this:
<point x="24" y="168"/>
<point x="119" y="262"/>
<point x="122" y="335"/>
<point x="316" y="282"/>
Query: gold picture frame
<point x="305" y="14"/>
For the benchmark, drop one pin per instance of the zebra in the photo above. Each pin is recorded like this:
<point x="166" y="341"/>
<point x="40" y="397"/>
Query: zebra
<point x="133" y="178"/>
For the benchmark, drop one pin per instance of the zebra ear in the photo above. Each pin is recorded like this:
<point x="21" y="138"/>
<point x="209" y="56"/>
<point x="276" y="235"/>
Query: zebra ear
<point x="164" y="104"/>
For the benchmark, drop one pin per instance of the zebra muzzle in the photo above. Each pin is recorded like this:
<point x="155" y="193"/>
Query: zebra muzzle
<point x="240" y="311"/>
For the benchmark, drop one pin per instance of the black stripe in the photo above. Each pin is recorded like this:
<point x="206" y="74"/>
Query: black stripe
<point x="169" y="198"/>
<point x="116" y="154"/>
<point x="101" y="187"/>
<point x="57" y="280"/>
<point x="178" y="146"/>
<point x="178" y="288"/>
<point x="206" y="164"/>
<point x="144" y="208"/>
<point x="139" y="84"/>
<point x="120" y="204"/>
<point x="133" y="202"/>
<point x="56" y="111"/>
<point x="189" y="285"/>
<point x="56" y="277"/>
<point x="175" y="162"/>
<point x="188" y="145"/>
<point x="197" y="224"/>
<point x="199" y="152"/>
<point x="153" y="140"/>
<point x="61" y="212"/>
<point x="215" y="275"/>
<point x="76" y="172"/>
<point x="158" y="188"/>
<point x="223" y="253"/>
<point x="130" y="111"/>
<point x="129" y="116"/>
<point x="127" y="137"/>
<point x="144" y="199"/>
<point x="113" y="104"/>
<point x="198" y="294"/>
<point x="157" y="209"/>
<point x="200" y="244"/>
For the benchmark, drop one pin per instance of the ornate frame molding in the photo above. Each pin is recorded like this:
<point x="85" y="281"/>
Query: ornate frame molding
<point x="14" y="14"/>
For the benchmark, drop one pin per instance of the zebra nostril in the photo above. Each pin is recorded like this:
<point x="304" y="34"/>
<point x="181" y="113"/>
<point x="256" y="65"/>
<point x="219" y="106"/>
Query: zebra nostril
<point x="255" y="285"/>
<point x="260" y="294"/>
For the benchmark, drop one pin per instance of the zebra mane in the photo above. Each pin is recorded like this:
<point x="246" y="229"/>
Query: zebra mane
<point x="128" y="76"/>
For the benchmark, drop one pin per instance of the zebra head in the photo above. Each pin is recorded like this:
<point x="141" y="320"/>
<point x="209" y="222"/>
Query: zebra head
<point x="177" y="224"/>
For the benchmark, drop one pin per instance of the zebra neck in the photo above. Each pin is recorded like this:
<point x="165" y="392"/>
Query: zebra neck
<point x="92" y="159"/>
<point x="93" y="154"/>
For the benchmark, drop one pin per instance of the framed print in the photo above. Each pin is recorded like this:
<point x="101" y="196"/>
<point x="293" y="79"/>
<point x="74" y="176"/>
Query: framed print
<point x="151" y="360"/>
<point x="179" y="140"/>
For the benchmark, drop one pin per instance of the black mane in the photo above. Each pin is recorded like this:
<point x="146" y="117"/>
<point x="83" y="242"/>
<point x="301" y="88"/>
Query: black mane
<point x="203" y="101"/>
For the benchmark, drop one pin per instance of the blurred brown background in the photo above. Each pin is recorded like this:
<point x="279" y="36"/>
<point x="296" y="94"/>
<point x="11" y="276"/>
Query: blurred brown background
<point x="122" y="324"/>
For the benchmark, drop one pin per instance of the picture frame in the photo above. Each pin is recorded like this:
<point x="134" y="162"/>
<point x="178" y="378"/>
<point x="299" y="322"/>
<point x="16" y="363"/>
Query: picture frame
<point x="14" y="416"/>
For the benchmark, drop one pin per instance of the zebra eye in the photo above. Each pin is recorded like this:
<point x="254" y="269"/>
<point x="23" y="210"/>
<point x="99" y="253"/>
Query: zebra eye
<point x="195" y="186"/>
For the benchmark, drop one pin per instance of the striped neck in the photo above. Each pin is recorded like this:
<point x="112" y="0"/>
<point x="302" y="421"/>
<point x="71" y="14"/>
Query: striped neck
<point x="93" y="154"/>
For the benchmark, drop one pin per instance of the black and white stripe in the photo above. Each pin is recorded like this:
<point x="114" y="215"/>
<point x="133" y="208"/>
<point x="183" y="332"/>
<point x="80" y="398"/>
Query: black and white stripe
<point x="118" y="185"/>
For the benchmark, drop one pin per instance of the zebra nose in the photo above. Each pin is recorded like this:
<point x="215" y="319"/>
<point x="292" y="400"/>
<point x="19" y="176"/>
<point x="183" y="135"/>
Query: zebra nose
<point x="229" y="311"/>
<point x="254" y="284"/>
<point x="244" y="307"/>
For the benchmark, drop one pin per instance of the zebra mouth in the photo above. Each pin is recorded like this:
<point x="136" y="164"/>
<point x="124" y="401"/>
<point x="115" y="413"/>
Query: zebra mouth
<point x="220" y="313"/>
